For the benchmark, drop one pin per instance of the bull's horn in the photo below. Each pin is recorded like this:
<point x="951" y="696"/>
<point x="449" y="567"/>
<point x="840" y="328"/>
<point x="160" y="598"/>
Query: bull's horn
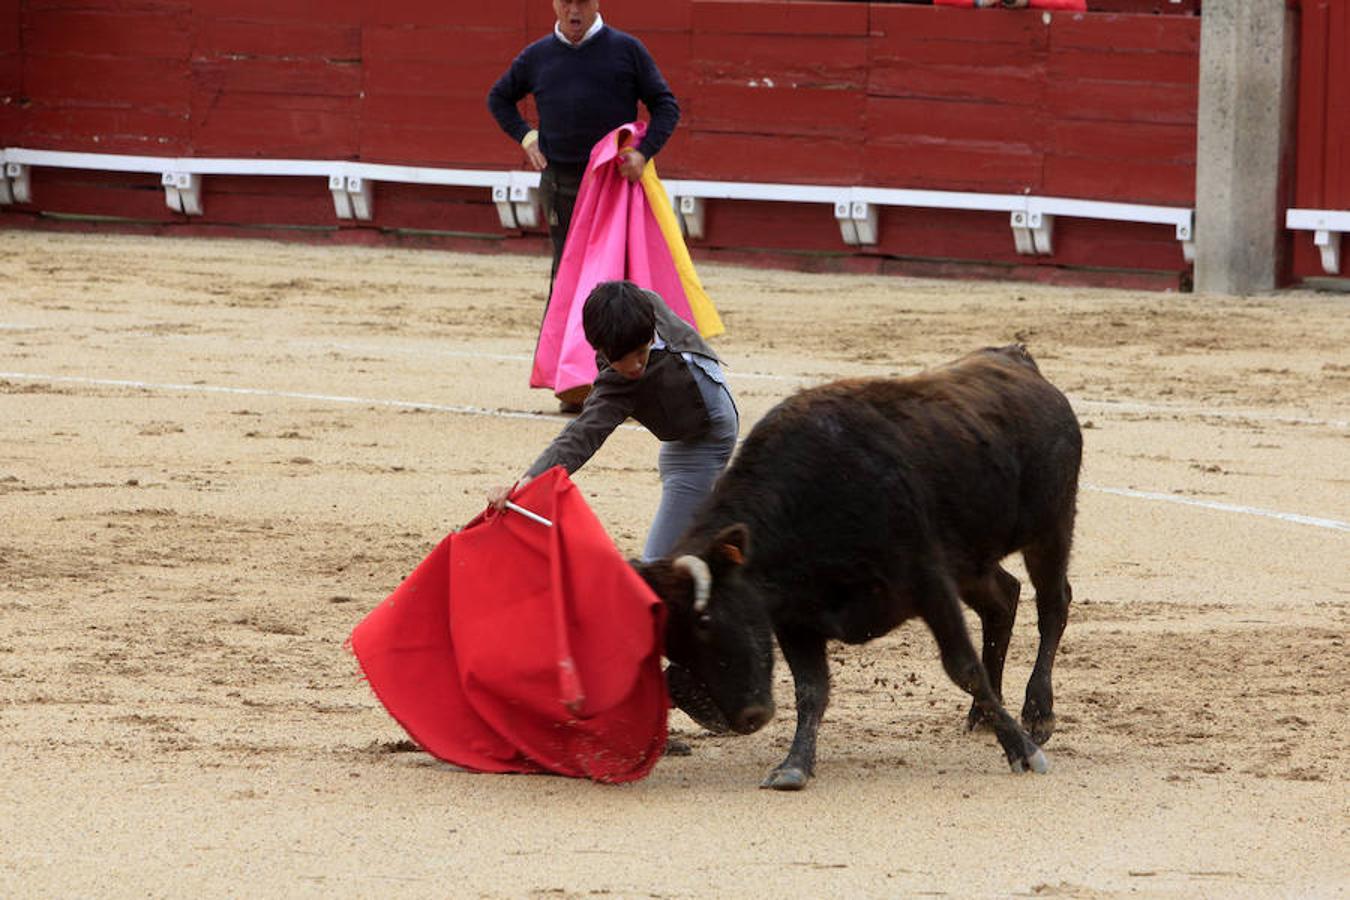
<point x="698" y="570"/>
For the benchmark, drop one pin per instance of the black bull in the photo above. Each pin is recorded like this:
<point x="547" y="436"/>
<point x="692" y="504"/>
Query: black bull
<point x="854" y="506"/>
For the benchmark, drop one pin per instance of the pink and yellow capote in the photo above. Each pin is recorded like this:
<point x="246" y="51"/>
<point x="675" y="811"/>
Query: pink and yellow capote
<point x="619" y="230"/>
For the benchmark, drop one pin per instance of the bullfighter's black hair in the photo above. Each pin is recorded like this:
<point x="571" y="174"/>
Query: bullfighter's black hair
<point x="618" y="319"/>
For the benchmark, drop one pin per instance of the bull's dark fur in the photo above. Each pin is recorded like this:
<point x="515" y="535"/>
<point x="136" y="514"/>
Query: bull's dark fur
<point x="857" y="505"/>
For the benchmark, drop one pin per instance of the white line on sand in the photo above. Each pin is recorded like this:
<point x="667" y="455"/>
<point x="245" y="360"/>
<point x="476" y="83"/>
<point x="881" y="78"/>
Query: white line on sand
<point x="547" y="417"/>
<point x="1080" y="404"/>
<point x="1222" y="507"/>
<point x="289" y="395"/>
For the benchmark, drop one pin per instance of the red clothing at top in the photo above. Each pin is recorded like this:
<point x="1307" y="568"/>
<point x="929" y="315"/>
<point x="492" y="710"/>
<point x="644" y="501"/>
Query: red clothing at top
<point x="1069" y="5"/>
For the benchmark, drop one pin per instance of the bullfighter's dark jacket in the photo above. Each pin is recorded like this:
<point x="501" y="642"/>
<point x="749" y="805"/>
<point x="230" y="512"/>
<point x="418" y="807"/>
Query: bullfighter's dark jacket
<point x="665" y="399"/>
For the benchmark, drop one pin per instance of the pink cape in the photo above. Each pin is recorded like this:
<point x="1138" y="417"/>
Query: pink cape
<point x="520" y="647"/>
<point x="615" y="234"/>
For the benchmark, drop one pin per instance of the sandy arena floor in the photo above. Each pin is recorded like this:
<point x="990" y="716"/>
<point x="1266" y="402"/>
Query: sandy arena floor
<point x="217" y="456"/>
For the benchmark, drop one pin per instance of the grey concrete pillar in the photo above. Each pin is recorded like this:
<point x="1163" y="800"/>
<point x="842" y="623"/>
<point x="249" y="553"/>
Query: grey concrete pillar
<point x="1246" y="108"/>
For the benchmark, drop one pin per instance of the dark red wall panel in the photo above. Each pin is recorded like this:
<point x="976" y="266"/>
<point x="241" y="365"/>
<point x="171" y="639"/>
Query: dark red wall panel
<point x="1121" y="103"/>
<point x="1121" y="245"/>
<point x="463" y="15"/>
<point x="974" y="123"/>
<point x="946" y="234"/>
<point x="1314" y="65"/>
<point x="106" y="81"/>
<point x="643" y="17"/>
<point x="1338" y="107"/>
<point x="1155" y="7"/>
<point x="822" y="62"/>
<point x="114" y="6"/>
<point x="11" y="78"/>
<point x="771" y="110"/>
<point x="757" y="157"/>
<point x="798" y="17"/>
<point x="107" y="130"/>
<point x="425" y="94"/>
<point x="795" y="227"/>
<point x="1123" y="33"/>
<point x="291" y="126"/>
<point x="270" y="200"/>
<point x="116" y="195"/>
<point x="329" y="12"/>
<point x="673" y="55"/>
<point x="953" y="166"/>
<point x="10" y="20"/>
<point x="451" y="132"/>
<point x="435" y="208"/>
<point x="228" y="38"/>
<point x="162" y="34"/>
<point x="486" y="48"/>
<point x="955" y="100"/>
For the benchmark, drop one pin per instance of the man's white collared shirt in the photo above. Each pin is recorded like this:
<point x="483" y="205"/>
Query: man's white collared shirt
<point x="590" y="32"/>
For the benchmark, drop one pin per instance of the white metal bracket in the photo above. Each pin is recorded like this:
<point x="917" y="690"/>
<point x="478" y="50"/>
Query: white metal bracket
<point x="691" y="212"/>
<point x="525" y="204"/>
<point x="362" y="194"/>
<point x="353" y="196"/>
<point x="18" y="187"/>
<point x="501" y="196"/>
<point x="857" y="221"/>
<point x="518" y="201"/>
<point x="342" y="204"/>
<point x="1186" y="234"/>
<point x="1329" y="245"/>
<point x="847" y="229"/>
<point x="1033" y="232"/>
<point x="864" y="221"/>
<point x="1042" y="227"/>
<point x="1022" y="233"/>
<point x="183" y="192"/>
<point x="517" y="205"/>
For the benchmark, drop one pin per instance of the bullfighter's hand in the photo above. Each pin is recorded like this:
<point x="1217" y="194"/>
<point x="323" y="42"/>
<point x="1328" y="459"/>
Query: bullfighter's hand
<point x="631" y="164"/>
<point x="498" y="496"/>
<point x="535" y="157"/>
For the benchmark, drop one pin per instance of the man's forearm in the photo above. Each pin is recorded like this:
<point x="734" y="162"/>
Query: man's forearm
<point x="665" y="114"/>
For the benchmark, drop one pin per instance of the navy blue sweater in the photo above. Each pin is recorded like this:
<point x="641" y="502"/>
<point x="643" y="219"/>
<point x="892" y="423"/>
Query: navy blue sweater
<point x="583" y="93"/>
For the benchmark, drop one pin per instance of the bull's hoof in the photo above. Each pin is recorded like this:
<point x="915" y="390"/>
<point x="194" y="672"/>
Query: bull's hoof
<point x="977" y="721"/>
<point x="1037" y="762"/>
<point x="1039" y="726"/>
<point x="788" y="778"/>
<point x="677" y="747"/>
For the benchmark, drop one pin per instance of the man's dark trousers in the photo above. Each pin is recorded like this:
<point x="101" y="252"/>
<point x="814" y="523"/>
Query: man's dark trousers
<point x="558" y="186"/>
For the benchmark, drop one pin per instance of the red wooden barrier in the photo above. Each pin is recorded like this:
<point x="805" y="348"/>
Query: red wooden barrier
<point x="1090" y="105"/>
<point x="776" y="95"/>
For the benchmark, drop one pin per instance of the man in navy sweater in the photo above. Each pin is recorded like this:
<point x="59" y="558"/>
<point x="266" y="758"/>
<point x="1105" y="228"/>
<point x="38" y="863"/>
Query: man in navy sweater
<point x="587" y="79"/>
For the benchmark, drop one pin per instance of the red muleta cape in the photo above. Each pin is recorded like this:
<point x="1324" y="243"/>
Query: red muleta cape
<point x="520" y="647"/>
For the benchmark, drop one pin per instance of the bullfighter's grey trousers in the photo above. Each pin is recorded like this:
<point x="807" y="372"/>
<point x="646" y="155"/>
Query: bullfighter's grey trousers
<point x="689" y="468"/>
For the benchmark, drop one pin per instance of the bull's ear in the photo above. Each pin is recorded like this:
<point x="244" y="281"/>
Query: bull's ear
<point x="731" y="547"/>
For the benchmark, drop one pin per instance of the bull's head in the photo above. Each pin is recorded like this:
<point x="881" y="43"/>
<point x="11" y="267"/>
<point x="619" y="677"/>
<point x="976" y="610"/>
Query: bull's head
<point x="719" y="632"/>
